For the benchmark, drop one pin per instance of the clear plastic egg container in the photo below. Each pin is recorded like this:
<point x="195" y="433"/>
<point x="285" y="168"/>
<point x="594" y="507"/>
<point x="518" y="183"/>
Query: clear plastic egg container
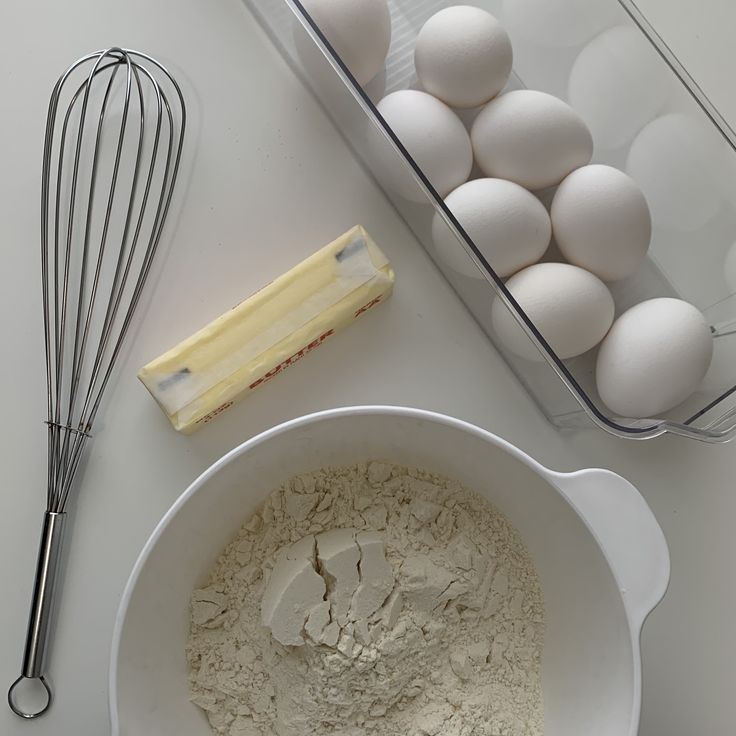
<point x="647" y="117"/>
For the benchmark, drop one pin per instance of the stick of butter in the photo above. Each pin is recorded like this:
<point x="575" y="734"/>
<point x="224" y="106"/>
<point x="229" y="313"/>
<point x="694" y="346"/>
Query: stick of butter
<point x="242" y="349"/>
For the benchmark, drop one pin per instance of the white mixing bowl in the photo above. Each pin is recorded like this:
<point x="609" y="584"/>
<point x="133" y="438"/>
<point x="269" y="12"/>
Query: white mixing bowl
<point x="601" y="557"/>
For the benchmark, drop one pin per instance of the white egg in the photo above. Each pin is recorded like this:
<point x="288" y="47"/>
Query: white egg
<point x="618" y="84"/>
<point x="571" y="308"/>
<point x="508" y="224"/>
<point x="729" y="268"/>
<point x="358" y="30"/>
<point x="531" y="138"/>
<point x="679" y="164"/>
<point x="601" y="221"/>
<point x="463" y="56"/>
<point x="433" y="135"/>
<point x="653" y="358"/>
<point x="559" y="23"/>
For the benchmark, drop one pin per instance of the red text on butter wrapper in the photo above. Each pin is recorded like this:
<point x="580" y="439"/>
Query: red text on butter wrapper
<point x="214" y="413"/>
<point x="370" y="304"/>
<point x="292" y="359"/>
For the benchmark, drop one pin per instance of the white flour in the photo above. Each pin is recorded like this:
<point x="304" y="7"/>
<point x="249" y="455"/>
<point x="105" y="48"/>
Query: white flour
<point x="445" y="640"/>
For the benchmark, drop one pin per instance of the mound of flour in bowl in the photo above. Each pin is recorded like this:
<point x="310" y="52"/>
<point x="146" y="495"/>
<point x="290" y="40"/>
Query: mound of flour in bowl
<point x="370" y="600"/>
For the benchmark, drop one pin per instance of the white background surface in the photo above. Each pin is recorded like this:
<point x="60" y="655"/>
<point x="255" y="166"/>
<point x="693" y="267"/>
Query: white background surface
<point x="266" y="181"/>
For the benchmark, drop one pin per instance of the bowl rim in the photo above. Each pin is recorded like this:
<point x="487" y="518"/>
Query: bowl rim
<point x="553" y="478"/>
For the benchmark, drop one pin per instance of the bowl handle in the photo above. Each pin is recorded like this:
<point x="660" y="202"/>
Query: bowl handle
<point x="630" y="536"/>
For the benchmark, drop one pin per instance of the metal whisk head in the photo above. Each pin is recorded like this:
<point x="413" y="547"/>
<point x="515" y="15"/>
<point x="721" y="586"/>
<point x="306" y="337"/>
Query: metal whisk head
<point x="112" y="149"/>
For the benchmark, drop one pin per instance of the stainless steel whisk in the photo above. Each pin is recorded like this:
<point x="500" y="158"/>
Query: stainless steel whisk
<point x="112" y="149"/>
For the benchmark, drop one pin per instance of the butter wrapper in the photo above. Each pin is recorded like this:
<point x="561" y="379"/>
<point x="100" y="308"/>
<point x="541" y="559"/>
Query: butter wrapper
<point x="271" y="330"/>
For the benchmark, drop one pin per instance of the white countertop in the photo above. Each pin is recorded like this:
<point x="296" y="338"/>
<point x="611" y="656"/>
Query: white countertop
<point x="266" y="181"/>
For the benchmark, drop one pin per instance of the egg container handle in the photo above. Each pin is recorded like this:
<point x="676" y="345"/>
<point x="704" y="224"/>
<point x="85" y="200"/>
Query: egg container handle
<point x="628" y="532"/>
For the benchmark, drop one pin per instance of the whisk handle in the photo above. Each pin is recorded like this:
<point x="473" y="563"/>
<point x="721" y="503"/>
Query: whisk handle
<point x="39" y="620"/>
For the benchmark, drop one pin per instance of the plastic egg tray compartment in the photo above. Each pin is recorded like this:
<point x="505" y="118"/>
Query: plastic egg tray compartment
<point x="648" y="118"/>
